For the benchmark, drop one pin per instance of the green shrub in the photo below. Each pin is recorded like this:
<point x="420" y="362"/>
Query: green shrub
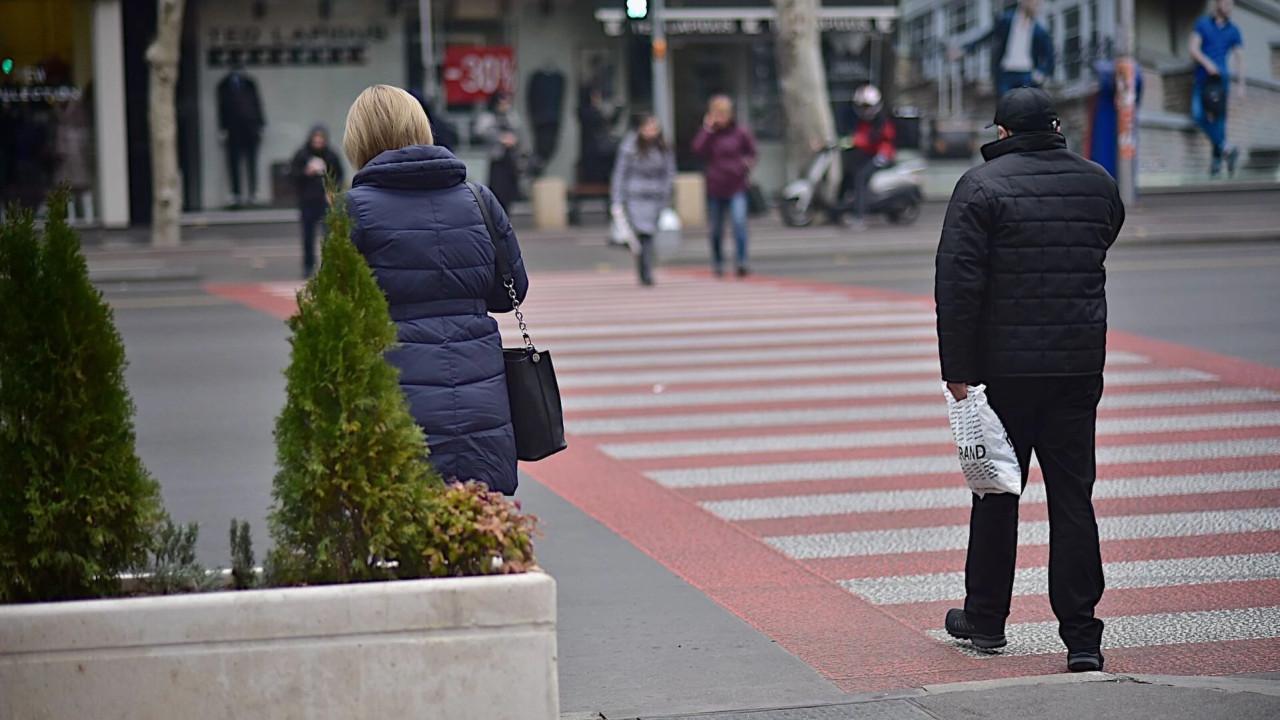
<point x="172" y="567"/>
<point x="77" y="507"/>
<point x="473" y="531"/>
<point x="243" y="573"/>
<point x="353" y="486"/>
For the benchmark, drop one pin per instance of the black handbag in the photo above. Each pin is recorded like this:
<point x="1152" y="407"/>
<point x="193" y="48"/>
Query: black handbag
<point x="1213" y="96"/>
<point x="536" y="413"/>
<point x="756" y="202"/>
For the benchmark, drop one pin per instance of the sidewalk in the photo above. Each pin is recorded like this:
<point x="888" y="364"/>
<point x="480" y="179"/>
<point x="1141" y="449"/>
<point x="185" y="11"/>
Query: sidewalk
<point x="262" y="250"/>
<point x="1069" y="697"/>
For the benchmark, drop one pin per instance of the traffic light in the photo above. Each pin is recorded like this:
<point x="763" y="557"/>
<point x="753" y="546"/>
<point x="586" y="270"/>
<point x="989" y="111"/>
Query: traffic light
<point x="637" y="9"/>
<point x="7" y="65"/>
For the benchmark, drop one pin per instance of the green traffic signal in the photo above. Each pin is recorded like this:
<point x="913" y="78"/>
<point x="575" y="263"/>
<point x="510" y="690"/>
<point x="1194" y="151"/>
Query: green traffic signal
<point x="637" y="9"/>
<point x="7" y="65"/>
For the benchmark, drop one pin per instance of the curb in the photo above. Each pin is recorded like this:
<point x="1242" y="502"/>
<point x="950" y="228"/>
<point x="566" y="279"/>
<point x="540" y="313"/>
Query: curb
<point x="1227" y="684"/>
<point x="160" y="274"/>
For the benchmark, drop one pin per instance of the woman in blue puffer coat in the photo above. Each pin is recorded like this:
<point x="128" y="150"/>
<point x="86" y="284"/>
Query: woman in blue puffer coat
<point x="421" y="230"/>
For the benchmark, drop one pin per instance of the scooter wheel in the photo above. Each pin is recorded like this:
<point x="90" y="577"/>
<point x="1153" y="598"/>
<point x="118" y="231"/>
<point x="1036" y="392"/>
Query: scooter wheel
<point x="904" y="215"/>
<point x="795" y="217"/>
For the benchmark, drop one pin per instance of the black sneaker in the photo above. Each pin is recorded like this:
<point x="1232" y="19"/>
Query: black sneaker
<point x="959" y="627"/>
<point x="1084" y="661"/>
<point x="743" y="271"/>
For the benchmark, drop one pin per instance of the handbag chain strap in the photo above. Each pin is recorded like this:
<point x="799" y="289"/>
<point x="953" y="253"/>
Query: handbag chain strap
<point x="508" y="280"/>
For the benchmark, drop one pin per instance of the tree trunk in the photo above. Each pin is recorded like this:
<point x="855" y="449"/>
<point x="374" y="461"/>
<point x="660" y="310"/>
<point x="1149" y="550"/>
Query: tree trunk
<point x="804" y="81"/>
<point x="163" y="56"/>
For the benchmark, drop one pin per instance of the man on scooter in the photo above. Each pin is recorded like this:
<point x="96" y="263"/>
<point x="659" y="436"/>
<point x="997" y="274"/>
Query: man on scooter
<point x="871" y="145"/>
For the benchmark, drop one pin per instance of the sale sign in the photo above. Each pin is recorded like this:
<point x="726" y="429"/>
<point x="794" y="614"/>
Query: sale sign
<point x="473" y="73"/>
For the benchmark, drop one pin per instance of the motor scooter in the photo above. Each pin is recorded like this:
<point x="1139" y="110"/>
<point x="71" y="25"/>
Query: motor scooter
<point x="895" y="191"/>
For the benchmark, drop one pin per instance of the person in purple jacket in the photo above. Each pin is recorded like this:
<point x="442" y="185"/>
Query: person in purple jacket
<point x="730" y="152"/>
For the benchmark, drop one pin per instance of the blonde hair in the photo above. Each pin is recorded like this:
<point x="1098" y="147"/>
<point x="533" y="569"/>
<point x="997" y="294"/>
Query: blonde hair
<point x="383" y="118"/>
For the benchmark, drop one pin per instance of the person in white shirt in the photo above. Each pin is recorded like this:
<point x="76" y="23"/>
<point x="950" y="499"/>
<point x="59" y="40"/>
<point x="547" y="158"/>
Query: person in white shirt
<point x="1021" y="49"/>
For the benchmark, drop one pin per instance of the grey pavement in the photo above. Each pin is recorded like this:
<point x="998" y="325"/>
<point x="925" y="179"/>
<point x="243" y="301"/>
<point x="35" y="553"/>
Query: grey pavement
<point x="237" y="252"/>
<point x="1064" y="697"/>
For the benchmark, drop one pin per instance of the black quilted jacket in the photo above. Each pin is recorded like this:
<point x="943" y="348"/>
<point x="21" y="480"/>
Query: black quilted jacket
<point x="1020" y="281"/>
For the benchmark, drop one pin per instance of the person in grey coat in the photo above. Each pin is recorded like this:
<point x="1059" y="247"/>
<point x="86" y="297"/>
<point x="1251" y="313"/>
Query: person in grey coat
<point x="643" y="181"/>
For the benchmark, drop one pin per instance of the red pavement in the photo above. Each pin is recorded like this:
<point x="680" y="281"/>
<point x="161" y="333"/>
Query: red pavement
<point x="857" y="644"/>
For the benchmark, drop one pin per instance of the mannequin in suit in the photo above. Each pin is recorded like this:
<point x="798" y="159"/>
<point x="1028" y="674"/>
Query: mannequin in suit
<point x="546" y="101"/>
<point x="240" y="119"/>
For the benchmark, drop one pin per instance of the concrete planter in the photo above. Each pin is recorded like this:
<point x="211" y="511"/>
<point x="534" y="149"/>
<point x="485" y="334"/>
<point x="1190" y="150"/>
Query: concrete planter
<point x="480" y="647"/>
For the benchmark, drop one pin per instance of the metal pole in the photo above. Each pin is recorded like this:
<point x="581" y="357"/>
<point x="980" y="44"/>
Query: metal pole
<point x="428" y="50"/>
<point x="661" y="89"/>
<point x="1126" y="102"/>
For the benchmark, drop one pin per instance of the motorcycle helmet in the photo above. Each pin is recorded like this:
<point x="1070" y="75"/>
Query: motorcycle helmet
<point x="867" y="102"/>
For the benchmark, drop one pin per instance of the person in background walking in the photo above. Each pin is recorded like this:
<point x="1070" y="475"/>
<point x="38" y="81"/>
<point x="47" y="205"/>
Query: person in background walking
<point x="1214" y="41"/>
<point x="314" y="165"/>
<point x="499" y="128"/>
<point x="643" y="182"/>
<point x="423" y="233"/>
<point x="1021" y="49"/>
<point x="730" y="152"/>
<point x="1020" y="287"/>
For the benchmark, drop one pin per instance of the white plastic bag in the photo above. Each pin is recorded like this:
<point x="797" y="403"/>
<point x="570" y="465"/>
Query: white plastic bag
<point x="620" y="232"/>
<point x="667" y="238"/>
<point x="986" y="455"/>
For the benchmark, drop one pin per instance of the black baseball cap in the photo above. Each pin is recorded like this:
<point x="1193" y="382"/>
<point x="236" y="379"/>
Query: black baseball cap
<point x="1026" y="109"/>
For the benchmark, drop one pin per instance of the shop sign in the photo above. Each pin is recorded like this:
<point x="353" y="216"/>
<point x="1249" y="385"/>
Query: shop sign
<point x="473" y="73"/>
<point x="303" y="45"/>
<point x="39" y="94"/>
<point x="755" y="25"/>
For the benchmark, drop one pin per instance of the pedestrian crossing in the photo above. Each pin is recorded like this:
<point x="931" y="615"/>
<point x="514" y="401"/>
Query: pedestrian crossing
<point x="812" y="418"/>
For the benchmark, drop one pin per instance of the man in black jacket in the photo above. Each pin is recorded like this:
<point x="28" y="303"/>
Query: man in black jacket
<point x="1020" y="291"/>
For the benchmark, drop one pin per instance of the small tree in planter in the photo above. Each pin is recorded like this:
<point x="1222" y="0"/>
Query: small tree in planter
<point x="77" y="507"/>
<point x="355" y="497"/>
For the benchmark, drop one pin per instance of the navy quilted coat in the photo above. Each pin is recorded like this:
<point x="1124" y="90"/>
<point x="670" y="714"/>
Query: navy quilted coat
<point x="422" y="232"/>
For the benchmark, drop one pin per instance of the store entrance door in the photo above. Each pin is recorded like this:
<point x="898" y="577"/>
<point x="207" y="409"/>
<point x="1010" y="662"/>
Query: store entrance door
<point x="700" y="70"/>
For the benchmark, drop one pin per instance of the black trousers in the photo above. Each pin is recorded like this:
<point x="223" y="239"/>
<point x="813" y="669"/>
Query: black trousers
<point x="242" y="149"/>
<point x="312" y="215"/>
<point x="1055" y="417"/>
<point x="644" y="260"/>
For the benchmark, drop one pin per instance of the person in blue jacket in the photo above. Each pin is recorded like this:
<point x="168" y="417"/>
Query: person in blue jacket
<point x="423" y="234"/>
<point x="1214" y="42"/>
<point x="1021" y="49"/>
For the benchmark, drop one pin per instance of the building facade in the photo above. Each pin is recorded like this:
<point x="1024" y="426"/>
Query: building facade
<point x="62" y="114"/>
<point x="1171" y="149"/>
<point x="75" y="96"/>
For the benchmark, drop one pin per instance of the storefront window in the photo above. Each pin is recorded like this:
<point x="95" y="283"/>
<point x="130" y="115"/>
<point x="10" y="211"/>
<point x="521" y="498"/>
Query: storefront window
<point x="46" y="108"/>
<point x="764" y="104"/>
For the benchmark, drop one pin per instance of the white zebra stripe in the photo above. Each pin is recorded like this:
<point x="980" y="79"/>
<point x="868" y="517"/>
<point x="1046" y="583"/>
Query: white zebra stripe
<point x="958" y="496"/>
<point x="956" y="537"/>
<point x="720" y="357"/>
<point x="749" y="373"/>
<point x="941" y="464"/>
<point x="1209" y="626"/>
<point x="923" y="436"/>
<point x="780" y="393"/>
<point x="733" y="324"/>
<point x="680" y="310"/>
<point x="902" y="589"/>
<point x="896" y="411"/>
<point x="780" y="338"/>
